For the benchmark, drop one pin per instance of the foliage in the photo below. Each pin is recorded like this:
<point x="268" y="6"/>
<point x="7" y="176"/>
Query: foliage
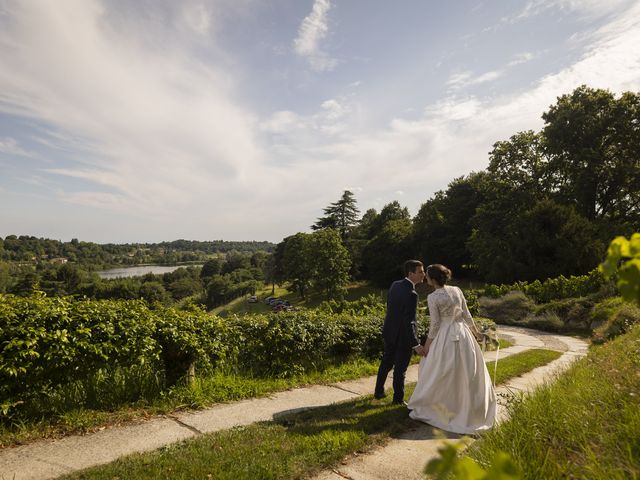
<point x="553" y="288"/>
<point x="627" y="253"/>
<point x="593" y="143"/>
<point x="450" y="465"/>
<point x="442" y="225"/>
<point x="385" y="254"/>
<point x="341" y="215"/>
<point x="613" y="317"/>
<point x="48" y="342"/>
<point x="90" y="255"/>
<point x="508" y="309"/>
<point x="316" y="261"/>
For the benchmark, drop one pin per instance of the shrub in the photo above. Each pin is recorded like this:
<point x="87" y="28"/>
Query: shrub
<point x="508" y="309"/>
<point x="554" y="288"/>
<point x="613" y="317"/>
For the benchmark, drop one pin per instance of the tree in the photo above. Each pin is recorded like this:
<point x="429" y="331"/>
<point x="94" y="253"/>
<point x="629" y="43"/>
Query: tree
<point x="217" y="290"/>
<point x="545" y="240"/>
<point x="390" y="212"/>
<point x="154" y="292"/>
<point x="593" y="142"/>
<point x="521" y="163"/>
<point x="385" y="254"/>
<point x="341" y="215"/>
<point x="297" y="262"/>
<point x="442" y="226"/>
<point x="211" y="267"/>
<point x="235" y="260"/>
<point x="331" y="262"/>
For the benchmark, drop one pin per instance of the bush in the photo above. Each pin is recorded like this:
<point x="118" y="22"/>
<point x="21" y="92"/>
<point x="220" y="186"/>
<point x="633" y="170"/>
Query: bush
<point x="554" y="288"/>
<point x="613" y="317"/>
<point x="508" y="309"/>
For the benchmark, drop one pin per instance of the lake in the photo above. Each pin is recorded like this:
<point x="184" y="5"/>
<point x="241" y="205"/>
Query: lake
<point x="139" y="271"/>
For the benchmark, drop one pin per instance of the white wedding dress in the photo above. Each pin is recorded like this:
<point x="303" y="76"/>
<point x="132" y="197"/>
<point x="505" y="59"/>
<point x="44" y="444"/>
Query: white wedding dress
<point x="454" y="390"/>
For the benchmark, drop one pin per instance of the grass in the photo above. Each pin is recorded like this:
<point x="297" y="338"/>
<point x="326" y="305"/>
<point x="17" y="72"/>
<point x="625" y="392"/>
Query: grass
<point x="204" y="392"/>
<point x="294" y="446"/>
<point x="355" y="291"/>
<point x="585" y="425"/>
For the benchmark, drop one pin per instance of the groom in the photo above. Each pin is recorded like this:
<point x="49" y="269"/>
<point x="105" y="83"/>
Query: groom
<point x="400" y="330"/>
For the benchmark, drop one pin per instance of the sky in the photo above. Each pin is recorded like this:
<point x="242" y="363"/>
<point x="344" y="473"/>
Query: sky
<point x="154" y="120"/>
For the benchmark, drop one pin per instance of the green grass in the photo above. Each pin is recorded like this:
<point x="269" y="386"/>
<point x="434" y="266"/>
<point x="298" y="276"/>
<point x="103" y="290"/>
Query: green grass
<point x="295" y="446"/>
<point x="526" y="361"/>
<point x="240" y="305"/>
<point x="204" y="392"/>
<point x="584" y="426"/>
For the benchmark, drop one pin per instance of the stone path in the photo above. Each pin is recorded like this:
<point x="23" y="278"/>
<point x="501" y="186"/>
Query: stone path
<point x="419" y="445"/>
<point x="51" y="458"/>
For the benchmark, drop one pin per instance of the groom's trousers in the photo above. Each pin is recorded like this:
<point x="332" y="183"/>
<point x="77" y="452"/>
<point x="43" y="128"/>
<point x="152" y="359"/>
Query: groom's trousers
<point x="397" y="358"/>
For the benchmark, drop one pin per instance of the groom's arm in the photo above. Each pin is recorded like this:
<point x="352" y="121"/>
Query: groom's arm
<point x="411" y="329"/>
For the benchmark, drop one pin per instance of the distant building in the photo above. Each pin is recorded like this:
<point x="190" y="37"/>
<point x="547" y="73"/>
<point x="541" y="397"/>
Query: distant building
<point x="58" y="260"/>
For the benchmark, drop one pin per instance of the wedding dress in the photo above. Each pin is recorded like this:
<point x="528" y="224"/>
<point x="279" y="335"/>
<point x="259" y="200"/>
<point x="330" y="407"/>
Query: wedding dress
<point x="454" y="390"/>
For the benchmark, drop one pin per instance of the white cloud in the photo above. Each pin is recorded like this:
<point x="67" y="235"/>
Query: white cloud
<point x="521" y="58"/>
<point x="313" y="29"/>
<point x="465" y="79"/>
<point x="455" y="134"/>
<point x="197" y="17"/>
<point x="153" y="125"/>
<point x="10" y="146"/>
<point x="588" y="9"/>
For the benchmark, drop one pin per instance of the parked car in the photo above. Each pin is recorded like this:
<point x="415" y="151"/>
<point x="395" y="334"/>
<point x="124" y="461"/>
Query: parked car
<point x="268" y="299"/>
<point x="252" y="299"/>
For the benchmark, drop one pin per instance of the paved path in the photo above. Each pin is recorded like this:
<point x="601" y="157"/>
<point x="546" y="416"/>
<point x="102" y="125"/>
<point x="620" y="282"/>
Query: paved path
<point x="419" y="445"/>
<point x="50" y="458"/>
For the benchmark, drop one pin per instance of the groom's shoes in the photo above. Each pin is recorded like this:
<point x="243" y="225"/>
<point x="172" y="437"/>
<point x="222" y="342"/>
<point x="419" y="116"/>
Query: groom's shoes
<point x="379" y="396"/>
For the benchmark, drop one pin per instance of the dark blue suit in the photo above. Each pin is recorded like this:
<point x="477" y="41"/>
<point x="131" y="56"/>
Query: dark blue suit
<point x="400" y="337"/>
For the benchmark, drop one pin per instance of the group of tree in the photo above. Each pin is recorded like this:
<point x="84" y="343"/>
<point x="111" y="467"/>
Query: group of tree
<point x="93" y="256"/>
<point x="547" y="205"/>
<point x="220" y="279"/>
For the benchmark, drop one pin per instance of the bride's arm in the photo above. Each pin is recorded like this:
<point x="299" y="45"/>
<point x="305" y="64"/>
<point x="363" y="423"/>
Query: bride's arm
<point x="434" y="323"/>
<point x="467" y="315"/>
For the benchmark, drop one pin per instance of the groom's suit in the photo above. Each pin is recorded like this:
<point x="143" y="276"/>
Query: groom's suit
<point x="400" y="337"/>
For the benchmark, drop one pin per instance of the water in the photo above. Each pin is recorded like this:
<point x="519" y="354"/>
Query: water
<point x="139" y="271"/>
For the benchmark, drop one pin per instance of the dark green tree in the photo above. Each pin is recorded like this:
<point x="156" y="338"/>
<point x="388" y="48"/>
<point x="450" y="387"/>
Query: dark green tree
<point x="442" y="226"/>
<point x="331" y="262"/>
<point x="341" y="215"/>
<point x="211" y="267"/>
<point x="390" y="212"/>
<point x="593" y="143"/>
<point x="385" y="254"/>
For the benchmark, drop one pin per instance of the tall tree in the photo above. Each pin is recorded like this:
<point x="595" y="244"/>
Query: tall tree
<point x="385" y="254"/>
<point x="442" y="226"/>
<point x="593" y="141"/>
<point x="390" y="212"/>
<point x="331" y="262"/>
<point x="341" y="215"/>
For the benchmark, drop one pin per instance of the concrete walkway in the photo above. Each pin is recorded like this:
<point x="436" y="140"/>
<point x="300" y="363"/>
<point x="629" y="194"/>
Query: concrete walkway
<point x="418" y="446"/>
<point x="50" y="458"/>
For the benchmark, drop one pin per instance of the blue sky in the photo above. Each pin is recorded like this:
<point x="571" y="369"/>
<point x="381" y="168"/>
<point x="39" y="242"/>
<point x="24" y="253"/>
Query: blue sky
<point x="156" y="120"/>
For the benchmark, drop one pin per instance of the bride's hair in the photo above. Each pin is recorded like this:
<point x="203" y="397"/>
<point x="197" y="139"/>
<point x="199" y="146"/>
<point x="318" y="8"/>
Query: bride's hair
<point x="439" y="273"/>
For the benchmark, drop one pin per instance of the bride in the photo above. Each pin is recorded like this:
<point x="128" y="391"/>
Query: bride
<point x="454" y="390"/>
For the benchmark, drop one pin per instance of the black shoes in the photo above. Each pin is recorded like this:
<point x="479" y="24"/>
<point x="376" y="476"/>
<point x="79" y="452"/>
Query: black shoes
<point x="379" y="396"/>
